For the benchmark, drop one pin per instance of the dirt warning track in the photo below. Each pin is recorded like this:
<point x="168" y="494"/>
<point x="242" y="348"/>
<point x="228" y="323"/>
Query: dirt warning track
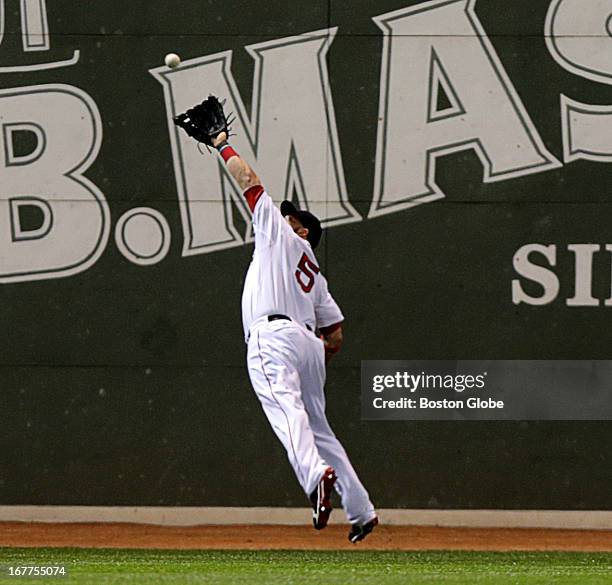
<point x="266" y="537"/>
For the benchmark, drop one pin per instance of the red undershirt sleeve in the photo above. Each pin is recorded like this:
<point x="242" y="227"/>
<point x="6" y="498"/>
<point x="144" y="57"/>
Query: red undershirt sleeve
<point x="252" y="195"/>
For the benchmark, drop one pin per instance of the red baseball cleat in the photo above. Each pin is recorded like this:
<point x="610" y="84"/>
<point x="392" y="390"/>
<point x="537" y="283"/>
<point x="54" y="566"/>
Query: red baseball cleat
<point x="321" y="499"/>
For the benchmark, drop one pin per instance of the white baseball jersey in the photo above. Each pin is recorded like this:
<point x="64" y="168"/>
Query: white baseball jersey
<point x="284" y="277"/>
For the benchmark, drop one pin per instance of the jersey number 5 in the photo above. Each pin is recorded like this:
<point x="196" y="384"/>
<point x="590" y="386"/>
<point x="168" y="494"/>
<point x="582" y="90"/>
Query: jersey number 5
<point x="306" y="267"/>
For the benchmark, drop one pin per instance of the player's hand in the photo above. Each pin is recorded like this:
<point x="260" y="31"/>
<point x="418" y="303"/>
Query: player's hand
<point x="332" y="343"/>
<point x="206" y="122"/>
<point x="328" y="354"/>
<point x="219" y="138"/>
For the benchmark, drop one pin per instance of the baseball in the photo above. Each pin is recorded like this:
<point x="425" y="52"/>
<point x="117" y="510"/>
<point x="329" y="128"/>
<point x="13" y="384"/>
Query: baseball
<point x="172" y="60"/>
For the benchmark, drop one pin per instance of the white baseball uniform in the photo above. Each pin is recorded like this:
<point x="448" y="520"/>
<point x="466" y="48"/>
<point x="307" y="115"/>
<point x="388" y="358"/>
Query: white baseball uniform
<point x="286" y="360"/>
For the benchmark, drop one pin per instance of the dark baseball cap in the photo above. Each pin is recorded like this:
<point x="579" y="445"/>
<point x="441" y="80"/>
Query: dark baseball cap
<point x="307" y="219"/>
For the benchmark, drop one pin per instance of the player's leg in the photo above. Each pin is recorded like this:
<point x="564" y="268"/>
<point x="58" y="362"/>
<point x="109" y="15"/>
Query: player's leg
<point x="275" y="379"/>
<point x="355" y="499"/>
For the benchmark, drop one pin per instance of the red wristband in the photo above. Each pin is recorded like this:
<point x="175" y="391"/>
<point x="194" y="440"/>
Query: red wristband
<point x="227" y="152"/>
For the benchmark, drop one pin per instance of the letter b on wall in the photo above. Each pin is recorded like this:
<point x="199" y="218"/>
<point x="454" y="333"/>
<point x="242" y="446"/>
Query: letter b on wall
<point x="64" y="124"/>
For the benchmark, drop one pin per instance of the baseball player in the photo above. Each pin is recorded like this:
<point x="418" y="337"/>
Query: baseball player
<point x="284" y="303"/>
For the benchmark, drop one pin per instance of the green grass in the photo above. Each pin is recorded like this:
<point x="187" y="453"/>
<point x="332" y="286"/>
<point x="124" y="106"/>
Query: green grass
<point x="309" y="567"/>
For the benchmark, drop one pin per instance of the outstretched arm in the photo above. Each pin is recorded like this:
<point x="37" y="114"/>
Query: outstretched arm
<point x="207" y="123"/>
<point x="245" y="176"/>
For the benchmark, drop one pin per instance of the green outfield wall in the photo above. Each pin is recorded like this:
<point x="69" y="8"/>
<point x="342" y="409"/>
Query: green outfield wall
<point x="459" y="154"/>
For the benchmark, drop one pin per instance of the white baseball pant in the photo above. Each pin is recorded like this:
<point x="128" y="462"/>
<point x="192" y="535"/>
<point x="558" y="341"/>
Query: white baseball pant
<point x="286" y="365"/>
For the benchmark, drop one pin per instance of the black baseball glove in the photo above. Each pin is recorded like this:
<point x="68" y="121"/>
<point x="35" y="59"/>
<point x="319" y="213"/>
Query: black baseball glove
<point x="204" y="121"/>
